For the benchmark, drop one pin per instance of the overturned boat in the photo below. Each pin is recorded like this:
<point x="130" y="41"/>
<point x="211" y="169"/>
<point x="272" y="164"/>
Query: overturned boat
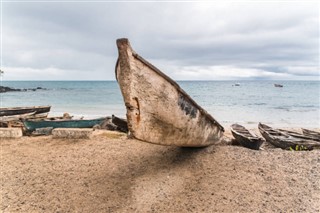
<point x="158" y="110"/>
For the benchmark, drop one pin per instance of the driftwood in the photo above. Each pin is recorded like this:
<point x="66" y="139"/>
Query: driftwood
<point x="246" y="138"/>
<point x="284" y="140"/>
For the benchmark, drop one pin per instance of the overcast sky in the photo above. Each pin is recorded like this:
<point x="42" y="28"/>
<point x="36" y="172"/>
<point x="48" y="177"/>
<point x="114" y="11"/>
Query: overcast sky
<point x="186" y="40"/>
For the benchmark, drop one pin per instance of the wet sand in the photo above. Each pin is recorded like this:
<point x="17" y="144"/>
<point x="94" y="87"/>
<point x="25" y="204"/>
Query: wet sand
<point x="110" y="173"/>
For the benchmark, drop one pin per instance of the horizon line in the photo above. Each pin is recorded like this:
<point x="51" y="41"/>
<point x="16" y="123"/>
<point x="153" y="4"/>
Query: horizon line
<point x="2" y="80"/>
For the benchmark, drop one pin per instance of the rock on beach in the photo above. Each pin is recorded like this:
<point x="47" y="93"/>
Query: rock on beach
<point x="10" y="133"/>
<point x="72" y="133"/>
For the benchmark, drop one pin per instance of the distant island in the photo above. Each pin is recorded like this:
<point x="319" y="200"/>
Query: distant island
<point x="10" y="89"/>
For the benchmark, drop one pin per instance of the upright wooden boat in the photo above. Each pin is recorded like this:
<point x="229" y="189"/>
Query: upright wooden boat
<point x="32" y="125"/>
<point x="158" y="110"/>
<point x="245" y="137"/>
<point x="8" y="111"/>
<point x="284" y="140"/>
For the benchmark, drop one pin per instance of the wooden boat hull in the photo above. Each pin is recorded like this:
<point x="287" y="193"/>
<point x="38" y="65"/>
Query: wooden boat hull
<point x="158" y="110"/>
<point x="31" y="115"/>
<point x="31" y="125"/>
<point x="305" y="135"/>
<point x="24" y="110"/>
<point x="283" y="140"/>
<point x="313" y="134"/>
<point x="245" y="137"/>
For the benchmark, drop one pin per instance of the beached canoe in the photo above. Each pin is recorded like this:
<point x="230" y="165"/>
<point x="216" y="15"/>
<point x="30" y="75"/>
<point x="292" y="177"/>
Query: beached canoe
<point x="8" y="111"/>
<point x="30" y="115"/>
<point x="158" y="110"/>
<point x="284" y="140"/>
<point x="31" y="125"/>
<point x="246" y="138"/>
<point x="307" y="136"/>
<point x="16" y="117"/>
<point x="310" y="133"/>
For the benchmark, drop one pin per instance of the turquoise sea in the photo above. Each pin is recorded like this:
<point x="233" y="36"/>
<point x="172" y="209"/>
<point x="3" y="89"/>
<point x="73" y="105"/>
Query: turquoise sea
<point x="297" y="104"/>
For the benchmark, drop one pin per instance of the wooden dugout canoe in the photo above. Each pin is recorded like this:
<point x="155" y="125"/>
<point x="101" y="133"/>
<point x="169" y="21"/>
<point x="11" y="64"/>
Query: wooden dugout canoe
<point x="302" y="136"/>
<point x="310" y="133"/>
<point x="31" y="115"/>
<point x="23" y="110"/>
<point x="284" y="140"/>
<point x="158" y="110"/>
<point x="32" y="125"/>
<point x="245" y="137"/>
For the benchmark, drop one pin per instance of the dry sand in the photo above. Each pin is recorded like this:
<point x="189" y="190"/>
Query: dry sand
<point x="110" y="173"/>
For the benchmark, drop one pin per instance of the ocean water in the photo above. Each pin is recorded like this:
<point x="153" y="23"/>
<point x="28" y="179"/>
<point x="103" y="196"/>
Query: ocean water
<point x="297" y="104"/>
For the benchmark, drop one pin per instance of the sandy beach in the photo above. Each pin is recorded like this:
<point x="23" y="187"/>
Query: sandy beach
<point x="110" y="173"/>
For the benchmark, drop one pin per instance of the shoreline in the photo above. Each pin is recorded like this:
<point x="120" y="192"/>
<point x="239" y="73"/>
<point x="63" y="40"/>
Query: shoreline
<point x="225" y="124"/>
<point x="294" y="105"/>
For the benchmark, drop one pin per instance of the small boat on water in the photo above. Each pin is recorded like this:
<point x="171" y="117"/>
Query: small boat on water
<point x="8" y="111"/>
<point x="278" y="85"/>
<point x="284" y="140"/>
<point x="33" y="124"/>
<point x="245" y="137"/>
<point x="158" y="110"/>
<point x="311" y="133"/>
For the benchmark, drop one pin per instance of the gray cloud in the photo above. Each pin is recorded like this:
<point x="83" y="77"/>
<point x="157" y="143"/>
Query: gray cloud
<point x="76" y="40"/>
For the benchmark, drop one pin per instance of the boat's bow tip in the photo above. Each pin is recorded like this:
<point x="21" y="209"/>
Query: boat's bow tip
<point x="121" y="41"/>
